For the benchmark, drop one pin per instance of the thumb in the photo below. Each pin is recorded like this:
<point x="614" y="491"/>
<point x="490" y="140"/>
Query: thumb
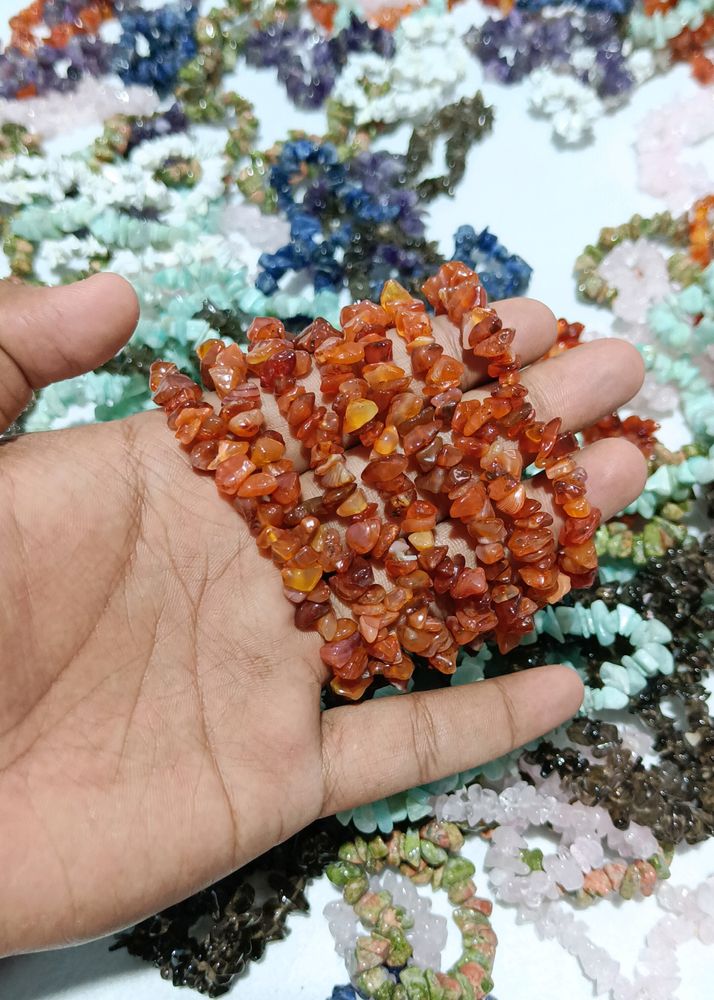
<point x="50" y="334"/>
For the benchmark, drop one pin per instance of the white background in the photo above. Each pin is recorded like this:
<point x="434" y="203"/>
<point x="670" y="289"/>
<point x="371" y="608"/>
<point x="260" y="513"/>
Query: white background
<point x="544" y="204"/>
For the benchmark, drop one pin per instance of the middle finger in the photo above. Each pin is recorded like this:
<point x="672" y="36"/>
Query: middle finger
<point x="581" y="385"/>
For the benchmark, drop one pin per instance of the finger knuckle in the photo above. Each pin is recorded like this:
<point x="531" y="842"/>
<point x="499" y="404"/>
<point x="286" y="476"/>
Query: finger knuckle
<point x="330" y="755"/>
<point x="425" y="740"/>
<point x="505" y="715"/>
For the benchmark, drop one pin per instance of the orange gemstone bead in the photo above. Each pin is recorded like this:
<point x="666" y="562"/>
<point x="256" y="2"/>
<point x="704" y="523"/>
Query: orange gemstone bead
<point x="411" y="323"/>
<point x="246" y="424"/>
<point x="446" y="372"/>
<point x="157" y="372"/>
<point x="363" y="318"/>
<point x="560" y="468"/>
<point x="341" y="353"/>
<point x="386" y="375"/>
<point x="404" y="406"/>
<point x="257" y="485"/>
<point x="420" y="516"/>
<point x="175" y="390"/>
<point x="232" y="472"/>
<point x="356" y="503"/>
<point x="266" y="449"/>
<point x="202" y="454"/>
<point x="468" y="501"/>
<point x="362" y="535"/>
<point x="422" y="541"/>
<point x="207" y="354"/>
<point x="334" y="472"/>
<point x="579" y="507"/>
<point x="228" y="449"/>
<point x="377" y="350"/>
<point x="393" y="295"/>
<point x="228" y="370"/>
<point x="301" y="408"/>
<point x="576" y="531"/>
<point x="351" y="690"/>
<point x="287" y="489"/>
<point x="381" y="470"/>
<point x="358" y="413"/>
<point x="420" y="436"/>
<point x="578" y="558"/>
<point x="301" y="578"/>
<point x="387" y="442"/>
<point x="265" y="328"/>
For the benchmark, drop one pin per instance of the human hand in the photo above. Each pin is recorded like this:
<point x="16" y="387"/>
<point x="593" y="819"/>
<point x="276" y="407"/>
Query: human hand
<point x="160" y="719"/>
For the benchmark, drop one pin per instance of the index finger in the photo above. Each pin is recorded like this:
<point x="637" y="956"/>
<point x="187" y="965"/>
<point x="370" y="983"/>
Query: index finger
<point x="386" y="745"/>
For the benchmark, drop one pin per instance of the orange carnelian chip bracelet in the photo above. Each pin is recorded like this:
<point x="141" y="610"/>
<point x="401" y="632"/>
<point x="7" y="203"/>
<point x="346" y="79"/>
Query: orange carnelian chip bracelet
<point x="701" y="231"/>
<point x="432" y="454"/>
<point x="27" y="25"/>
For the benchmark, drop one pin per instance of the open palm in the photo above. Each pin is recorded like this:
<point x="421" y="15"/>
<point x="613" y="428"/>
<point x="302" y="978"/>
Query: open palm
<point x="160" y="716"/>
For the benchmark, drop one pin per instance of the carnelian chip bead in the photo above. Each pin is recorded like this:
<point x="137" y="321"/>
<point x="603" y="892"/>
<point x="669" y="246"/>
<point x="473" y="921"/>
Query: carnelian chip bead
<point x="420" y="437"/>
<point x="387" y="442"/>
<point x="257" y="485"/>
<point x="246" y="424"/>
<point x="404" y="406"/>
<point x="577" y="531"/>
<point x="315" y="334"/>
<point x="207" y="354"/>
<point x="358" y="413"/>
<point x="302" y="578"/>
<point x="578" y="507"/>
<point x="333" y="472"/>
<point x="446" y="372"/>
<point x="458" y="300"/>
<point x="422" y="541"/>
<point x="351" y="690"/>
<point x="420" y="516"/>
<point x="363" y="318"/>
<point x="381" y="470"/>
<point x="308" y="613"/>
<point x="232" y="472"/>
<point x="378" y="350"/>
<point x="355" y="503"/>
<point x="265" y="328"/>
<point x="412" y="323"/>
<point x="361" y="536"/>
<point x="175" y="389"/>
<point x="393" y="296"/>
<point x="266" y="449"/>
<point x="202" y="454"/>
<point x="157" y="372"/>
<point x="341" y="353"/>
<point x="287" y="489"/>
<point x="228" y="370"/>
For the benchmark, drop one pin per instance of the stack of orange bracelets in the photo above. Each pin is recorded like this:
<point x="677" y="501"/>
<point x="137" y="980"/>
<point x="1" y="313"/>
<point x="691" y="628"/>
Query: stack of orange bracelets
<point x="433" y="456"/>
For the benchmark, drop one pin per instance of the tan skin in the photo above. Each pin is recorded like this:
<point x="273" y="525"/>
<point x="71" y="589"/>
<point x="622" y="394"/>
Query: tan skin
<point x="160" y="717"/>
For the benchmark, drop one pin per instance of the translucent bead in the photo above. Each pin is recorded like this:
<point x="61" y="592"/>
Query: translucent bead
<point x="422" y="540"/>
<point x="387" y="441"/>
<point x="362" y="535"/>
<point x="358" y="413"/>
<point x="246" y="424"/>
<point x="303" y="578"/>
<point x="232" y="472"/>
<point x="354" y="504"/>
<point x="259" y="484"/>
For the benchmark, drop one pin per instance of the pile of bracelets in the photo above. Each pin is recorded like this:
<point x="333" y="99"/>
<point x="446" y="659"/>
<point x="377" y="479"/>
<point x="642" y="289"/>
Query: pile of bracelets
<point x="468" y="455"/>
